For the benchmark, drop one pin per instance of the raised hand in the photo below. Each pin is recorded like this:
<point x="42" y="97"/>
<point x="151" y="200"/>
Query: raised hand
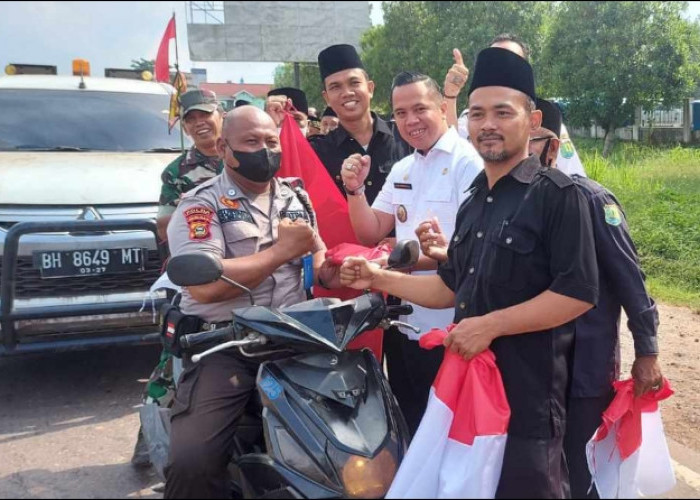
<point x="433" y="242"/>
<point x="457" y="75"/>
<point x="355" y="170"/>
<point x="296" y="238"/>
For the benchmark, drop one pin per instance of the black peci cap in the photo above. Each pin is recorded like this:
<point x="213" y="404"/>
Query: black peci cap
<point x="496" y="67"/>
<point x="338" y="58"/>
<point x="551" y="115"/>
<point x="297" y="96"/>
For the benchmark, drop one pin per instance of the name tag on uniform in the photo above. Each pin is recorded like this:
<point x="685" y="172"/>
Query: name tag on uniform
<point x="231" y="215"/>
<point x="403" y="185"/>
<point x="293" y="215"/>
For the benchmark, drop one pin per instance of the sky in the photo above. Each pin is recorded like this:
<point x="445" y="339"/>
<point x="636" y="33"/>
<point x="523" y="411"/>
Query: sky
<point x="111" y="34"/>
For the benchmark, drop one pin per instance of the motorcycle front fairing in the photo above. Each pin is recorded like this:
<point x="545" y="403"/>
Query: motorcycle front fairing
<point x="332" y="429"/>
<point x="315" y="325"/>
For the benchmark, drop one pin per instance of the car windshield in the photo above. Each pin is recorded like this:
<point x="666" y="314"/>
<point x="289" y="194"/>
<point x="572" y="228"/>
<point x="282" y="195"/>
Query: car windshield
<point x="61" y="120"/>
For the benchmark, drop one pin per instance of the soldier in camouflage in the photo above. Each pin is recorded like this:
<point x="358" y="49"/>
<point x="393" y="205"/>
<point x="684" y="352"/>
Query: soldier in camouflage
<point x="202" y="121"/>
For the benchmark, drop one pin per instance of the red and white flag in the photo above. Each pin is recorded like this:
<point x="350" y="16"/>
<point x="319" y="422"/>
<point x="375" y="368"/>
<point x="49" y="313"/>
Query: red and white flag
<point x="162" y="64"/>
<point x="628" y="455"/>
<point x="458" y="449"/>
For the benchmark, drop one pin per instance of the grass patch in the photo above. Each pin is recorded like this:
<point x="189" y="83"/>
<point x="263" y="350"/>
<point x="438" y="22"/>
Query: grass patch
<point x="659" y="188"/>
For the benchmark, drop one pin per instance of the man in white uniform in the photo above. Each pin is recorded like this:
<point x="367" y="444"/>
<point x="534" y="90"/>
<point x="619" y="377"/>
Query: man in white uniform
<point x="428" y="185"/>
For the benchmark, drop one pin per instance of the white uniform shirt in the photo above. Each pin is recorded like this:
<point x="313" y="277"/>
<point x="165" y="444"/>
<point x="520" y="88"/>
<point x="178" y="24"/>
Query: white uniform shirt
<point x="419" y="188"/>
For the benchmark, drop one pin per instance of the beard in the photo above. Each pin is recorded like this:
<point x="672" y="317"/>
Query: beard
<point x="496" y="157"/>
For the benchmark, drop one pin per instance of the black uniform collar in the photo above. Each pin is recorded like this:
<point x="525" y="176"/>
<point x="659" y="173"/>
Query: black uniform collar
<point x="340" y="135"/>
<point x="526" y="170"/>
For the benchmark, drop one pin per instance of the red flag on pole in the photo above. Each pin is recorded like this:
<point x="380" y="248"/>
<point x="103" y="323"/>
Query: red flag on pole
<point x="162" y="65"/>
<point x="300" y="160"/>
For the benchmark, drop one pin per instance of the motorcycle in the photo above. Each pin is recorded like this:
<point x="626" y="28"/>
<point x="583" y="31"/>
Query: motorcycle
<point x="324" y="423"/>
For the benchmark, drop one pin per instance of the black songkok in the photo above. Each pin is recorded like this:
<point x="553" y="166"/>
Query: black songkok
<point x="551" y="116"/>
<point x="496" y="67"/>
<point x="338" y="58"/>
<point x="297" y="96"/>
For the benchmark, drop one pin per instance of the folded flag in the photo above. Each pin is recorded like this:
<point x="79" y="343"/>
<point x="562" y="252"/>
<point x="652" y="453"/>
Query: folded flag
<point x="628" y="455"/>
<point x="458" y="449"/>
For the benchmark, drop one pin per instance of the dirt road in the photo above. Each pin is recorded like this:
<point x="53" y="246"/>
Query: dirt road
<point x="68" y="422"/>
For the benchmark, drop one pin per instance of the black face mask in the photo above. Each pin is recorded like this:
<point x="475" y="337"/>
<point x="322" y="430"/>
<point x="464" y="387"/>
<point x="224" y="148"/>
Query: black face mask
<point x="260" y="166"/>
<point x="543" y="156"/>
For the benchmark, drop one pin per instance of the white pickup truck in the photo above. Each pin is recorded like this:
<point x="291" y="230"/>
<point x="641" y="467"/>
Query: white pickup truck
<point x="80" y="166"/>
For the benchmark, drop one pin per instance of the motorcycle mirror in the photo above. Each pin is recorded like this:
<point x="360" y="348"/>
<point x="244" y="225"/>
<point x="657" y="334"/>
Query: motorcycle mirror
<point x="192" y="269"/>
<point x="404" y="255"/>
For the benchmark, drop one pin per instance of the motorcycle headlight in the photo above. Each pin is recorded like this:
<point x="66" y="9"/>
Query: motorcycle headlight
<point x="366" y="477"/>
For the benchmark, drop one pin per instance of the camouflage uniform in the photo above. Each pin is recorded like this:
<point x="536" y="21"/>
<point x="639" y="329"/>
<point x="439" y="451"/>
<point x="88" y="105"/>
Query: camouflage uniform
<point x="187" y="171"/>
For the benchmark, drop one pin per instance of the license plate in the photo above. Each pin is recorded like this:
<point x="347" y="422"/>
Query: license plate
<point x="61" y="264"/>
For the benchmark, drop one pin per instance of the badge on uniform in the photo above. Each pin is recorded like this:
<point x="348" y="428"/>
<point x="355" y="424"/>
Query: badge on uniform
<point x="613" y="215"/>
<point x="230" y="215"/>
<point x="401" y="214"/>
<point x="199" y="220"/>
<point x="402" y="185"/>
<point x="229" y="203"/>
<point x="293" y="215"/>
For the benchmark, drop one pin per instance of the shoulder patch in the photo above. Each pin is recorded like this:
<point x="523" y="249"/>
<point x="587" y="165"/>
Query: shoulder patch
<point x="557" y="177"/>
<point x="613" y="216"/>
<point x="199" y="220"/>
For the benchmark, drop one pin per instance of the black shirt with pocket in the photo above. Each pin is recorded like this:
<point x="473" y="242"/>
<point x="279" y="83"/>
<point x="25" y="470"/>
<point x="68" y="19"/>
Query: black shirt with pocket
<point x="530" y="233"/>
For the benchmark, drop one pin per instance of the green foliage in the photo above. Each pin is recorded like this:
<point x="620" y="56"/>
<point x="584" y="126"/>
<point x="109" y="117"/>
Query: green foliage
<point x="420" y="36"/>
<point x="607" y="58"/>
<point x="660" y="192"/>
<point x="143" y="64"/>
<point x="310" y="80"/>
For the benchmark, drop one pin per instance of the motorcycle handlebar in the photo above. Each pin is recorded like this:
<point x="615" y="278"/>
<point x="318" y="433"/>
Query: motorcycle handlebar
<point x="403" y="310"/>
<point x="195" y="339"/>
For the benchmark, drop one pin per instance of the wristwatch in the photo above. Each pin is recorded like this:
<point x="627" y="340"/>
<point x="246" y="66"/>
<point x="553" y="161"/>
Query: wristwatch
<point x="356" y="192"/>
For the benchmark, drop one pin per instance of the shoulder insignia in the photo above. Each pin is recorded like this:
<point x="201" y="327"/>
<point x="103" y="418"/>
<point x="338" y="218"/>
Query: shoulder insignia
<point x="229" y="203"/>
<point x="612" y="215"/>
<point x="199" y="220"/>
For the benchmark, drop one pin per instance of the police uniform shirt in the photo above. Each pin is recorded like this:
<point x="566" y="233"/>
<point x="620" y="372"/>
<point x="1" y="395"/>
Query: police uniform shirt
<point x="218" y="217"/>
<point x="596" y="353"/>
<point x="530" y="233"/>
<point x="421" y="187"/>
<point x="385" y="148"/>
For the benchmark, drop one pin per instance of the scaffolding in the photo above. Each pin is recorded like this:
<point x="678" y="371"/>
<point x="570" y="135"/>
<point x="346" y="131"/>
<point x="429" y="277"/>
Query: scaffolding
<point x="205" y="12"/>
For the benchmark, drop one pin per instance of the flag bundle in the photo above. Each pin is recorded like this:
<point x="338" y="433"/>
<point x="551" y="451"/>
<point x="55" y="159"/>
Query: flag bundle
<point x="180" y="85"/>
<point x="458" y="449"/>
<point x="628" y="455"/>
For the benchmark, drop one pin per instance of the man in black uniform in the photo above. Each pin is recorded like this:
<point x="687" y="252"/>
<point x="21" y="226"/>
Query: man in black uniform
<point x="348" y="91"/>
<point x="521" y="267"/>
<point x="596" y="346"/>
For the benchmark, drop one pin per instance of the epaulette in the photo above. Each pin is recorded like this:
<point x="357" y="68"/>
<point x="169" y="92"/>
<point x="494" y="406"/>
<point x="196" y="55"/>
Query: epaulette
<point x="557" y="177"/>
<point x="198" y="189"/>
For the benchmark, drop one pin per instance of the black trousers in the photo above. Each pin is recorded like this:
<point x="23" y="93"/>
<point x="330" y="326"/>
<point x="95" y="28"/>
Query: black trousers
<point x="584" y="416"/>
<point x="210" y="399"/>
<point x="411" y="371"/>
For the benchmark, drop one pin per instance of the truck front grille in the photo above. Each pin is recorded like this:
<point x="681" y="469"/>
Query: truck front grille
<point x="30" y="285"/>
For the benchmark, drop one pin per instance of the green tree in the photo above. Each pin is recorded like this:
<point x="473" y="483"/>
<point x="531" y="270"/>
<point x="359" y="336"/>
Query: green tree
<point x="310" y="82"/>
<point x="420" y="36"/>
<point x="607" y="58"/>
<point x="143" y="64"/>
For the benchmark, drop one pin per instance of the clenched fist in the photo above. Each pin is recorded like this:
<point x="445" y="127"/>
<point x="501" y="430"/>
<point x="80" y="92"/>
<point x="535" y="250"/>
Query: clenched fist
<point x="296" y="238"/>
<point x="358" y="273"/>
<point x="355" y="170"/>
<point x="433" y="242"/>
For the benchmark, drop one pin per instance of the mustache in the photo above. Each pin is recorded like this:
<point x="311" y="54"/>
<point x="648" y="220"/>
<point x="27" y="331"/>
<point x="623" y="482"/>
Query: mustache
<point x="486" y="137"/>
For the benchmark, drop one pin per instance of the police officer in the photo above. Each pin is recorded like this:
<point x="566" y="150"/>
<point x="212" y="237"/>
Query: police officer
<point x="348" y="90"/>
<point x="260" y="227"/>
<point x="596" y="346"/>
<point x="429" y="185"/>
<point x="521" y="267"/>
<point x="202" y="119"/>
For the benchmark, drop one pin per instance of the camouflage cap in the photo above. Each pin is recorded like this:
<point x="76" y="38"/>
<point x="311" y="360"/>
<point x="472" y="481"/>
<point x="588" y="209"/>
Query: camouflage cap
<point x="203" y="100"/>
